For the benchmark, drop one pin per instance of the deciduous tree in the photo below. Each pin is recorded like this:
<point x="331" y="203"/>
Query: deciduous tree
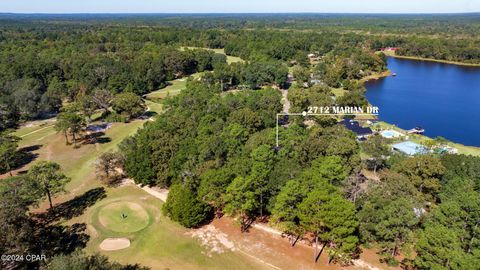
<point x="128" y="105"/>
<point x="8" y="152"/>
<point x="183" y="206"/>
<point x="70" y="122"/>
<point x="46" y="180"/>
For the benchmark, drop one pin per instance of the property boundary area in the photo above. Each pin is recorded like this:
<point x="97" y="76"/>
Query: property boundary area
<point x="304" y="114"/>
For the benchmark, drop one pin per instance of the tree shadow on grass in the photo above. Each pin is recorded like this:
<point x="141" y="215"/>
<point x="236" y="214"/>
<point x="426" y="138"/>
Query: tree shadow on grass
<point x="73" y="208"/>
<point x="25" y="155"/>
<point x="97" y="137"/>
<point x="148" y="114"/>
<point x="55" y="238"/>
<point x="60" y="239"/>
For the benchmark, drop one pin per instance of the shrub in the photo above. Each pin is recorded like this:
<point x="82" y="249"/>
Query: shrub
<point x="183" y="206"/>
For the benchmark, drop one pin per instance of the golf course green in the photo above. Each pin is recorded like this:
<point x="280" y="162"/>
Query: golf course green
<point x="123" y="217"/>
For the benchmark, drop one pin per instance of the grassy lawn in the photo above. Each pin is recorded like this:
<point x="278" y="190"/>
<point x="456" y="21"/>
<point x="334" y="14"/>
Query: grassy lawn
<point x="154" y="106"/>
<point x="234" y="59"/>
<point x="338" y="92"/>
<point x="123" y="217"/>
<point x="39" y="136"/>
<point x="32" y="135"/>
<point x="162" y="244"/>
<point x="172" y="89"/>
<point x="33" y="127"/>
<point x="77" y="163"/>
<point x="82" y="168"/>
<point x="127" y="211"/>
<point x="230" y="59"/>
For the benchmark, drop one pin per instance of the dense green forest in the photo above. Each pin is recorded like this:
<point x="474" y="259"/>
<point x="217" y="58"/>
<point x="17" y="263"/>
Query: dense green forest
<point x="434" y="24"/>
<point x="217" y="154"/>
<point x="214" y="145"/>
<point x="44" y="67"/>
<point x="45" y="62"/>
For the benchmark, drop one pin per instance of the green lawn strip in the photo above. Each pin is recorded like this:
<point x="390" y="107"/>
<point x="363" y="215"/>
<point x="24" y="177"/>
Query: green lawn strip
<point x="80" y="169"/>
<point x="154" y="106"/>
<point x="174" y="88"/>
<point x="33" y="126"/>
<point x="234" y="59"/>
<point x="162" y="244"/>
<point x="35" y="137"/>
<point x="338" y="92"/>
<point x="230" y="59"/>
<point x="29" y="130"/>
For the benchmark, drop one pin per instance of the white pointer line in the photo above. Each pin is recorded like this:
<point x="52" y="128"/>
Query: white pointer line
<point x="337" y="114"/>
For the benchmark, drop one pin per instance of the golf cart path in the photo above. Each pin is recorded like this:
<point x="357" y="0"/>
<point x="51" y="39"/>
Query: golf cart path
<point x="161" y="194"/>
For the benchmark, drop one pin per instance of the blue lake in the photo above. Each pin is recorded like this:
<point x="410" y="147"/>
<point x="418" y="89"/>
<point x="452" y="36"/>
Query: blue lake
<point x="443" y="99"/>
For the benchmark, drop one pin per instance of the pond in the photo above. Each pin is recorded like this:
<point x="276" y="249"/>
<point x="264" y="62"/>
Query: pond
<point x="444" y="99"/>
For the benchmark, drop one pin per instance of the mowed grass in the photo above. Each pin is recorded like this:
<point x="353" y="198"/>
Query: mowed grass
<point x="155" y="241"/>
<point x="123" y="217"/>
<point x="77" y="163"/>
<point x="163" y="244"/>
<point x="154" y="106"/>
<point x="32" y="135"/>
<point x="234" y="59"/>
<point x="34" y="127"/>
<point x="172" y="89"/>
<point x="338" y="92"/>
<point x="230" y="59"/>
<point x="159" y="243"/>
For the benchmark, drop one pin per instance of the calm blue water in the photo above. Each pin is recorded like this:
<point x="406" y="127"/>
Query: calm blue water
<point x="444" y="99"/>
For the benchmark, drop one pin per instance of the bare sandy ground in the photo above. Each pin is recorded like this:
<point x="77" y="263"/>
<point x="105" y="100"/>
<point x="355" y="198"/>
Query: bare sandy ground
<point x="161" y="194"/>
<point x="263" y="243"/>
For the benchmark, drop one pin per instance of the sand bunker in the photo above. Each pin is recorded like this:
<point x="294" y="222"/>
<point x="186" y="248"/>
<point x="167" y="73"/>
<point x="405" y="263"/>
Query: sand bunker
<point x="111" y="244"/>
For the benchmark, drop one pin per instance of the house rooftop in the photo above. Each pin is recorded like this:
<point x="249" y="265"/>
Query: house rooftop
<point x="356" y="128"/>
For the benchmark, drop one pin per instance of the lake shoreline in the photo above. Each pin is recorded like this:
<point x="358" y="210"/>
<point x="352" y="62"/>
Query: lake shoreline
<point x="463" y="149"/>
<point x="376" y="76"/>
<point x="432" y="60"/>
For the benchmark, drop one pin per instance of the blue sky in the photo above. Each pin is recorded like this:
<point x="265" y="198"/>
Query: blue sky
<point x="238" y="6"/>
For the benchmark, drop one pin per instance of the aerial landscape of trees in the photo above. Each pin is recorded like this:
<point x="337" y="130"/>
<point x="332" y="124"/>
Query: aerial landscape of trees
<point x="223" y="157"/>
<point x="214" y="144"/>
